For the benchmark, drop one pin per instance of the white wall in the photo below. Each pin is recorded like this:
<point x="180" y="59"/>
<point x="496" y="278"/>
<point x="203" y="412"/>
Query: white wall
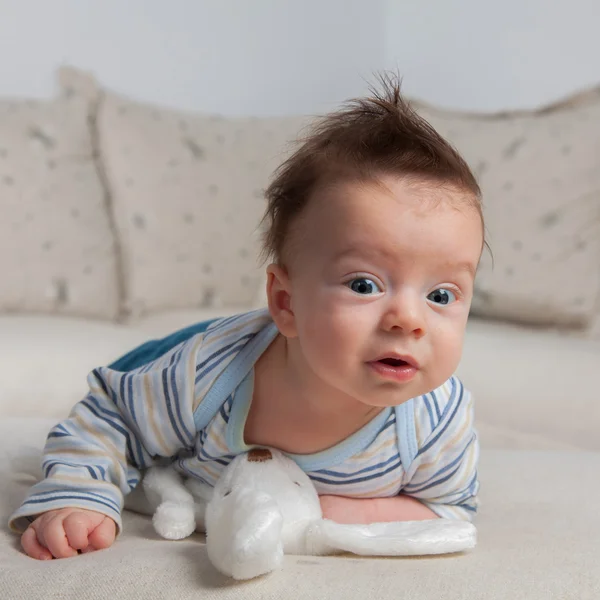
<point x="494" y="54"/>
<point x="232" y="56"/>
<point x="304" y="56"/>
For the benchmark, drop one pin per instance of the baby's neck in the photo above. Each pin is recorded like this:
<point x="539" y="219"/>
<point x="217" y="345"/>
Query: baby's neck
<point x="295" y="411"/>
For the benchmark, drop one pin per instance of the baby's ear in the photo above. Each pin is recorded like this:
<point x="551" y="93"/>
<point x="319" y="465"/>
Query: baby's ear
<point x="279" y="298"/>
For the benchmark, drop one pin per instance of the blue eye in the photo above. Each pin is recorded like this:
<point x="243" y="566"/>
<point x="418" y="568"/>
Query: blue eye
<point x="442" y="296"/>
<point x="363" y="286"/>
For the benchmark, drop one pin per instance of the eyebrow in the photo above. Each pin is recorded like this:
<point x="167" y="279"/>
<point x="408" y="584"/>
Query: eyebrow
<point x="368" y="251"/>
<point x="464" y="266"/>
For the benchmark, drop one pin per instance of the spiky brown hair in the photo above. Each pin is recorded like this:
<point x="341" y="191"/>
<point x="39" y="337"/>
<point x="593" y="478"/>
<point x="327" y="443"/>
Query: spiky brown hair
<point x="368" y="137"/>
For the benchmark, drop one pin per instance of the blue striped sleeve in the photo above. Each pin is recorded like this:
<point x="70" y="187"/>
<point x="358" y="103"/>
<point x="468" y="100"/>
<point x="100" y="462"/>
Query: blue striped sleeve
<point x="128" y="419"/>
<point x="444" y="474"/>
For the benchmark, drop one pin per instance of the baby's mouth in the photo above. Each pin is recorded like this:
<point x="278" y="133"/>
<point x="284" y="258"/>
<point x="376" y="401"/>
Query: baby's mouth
<point x="393" y="362"/>
<point x="395" y="368"/>
<point x="397" y="360"/>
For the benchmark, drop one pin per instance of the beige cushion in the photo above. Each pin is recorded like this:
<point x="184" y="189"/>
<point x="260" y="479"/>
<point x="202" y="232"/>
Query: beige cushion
<point x="539" y="527"/>
<point x="540" y="175"/>
<point x="187" y="193"/>
<point x="532" y="389"/>
<point x="57" y="250"/>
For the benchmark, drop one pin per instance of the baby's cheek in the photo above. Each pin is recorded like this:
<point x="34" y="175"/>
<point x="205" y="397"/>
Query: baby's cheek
<point x="329" y="342"/>
<point x="447" y="352"/>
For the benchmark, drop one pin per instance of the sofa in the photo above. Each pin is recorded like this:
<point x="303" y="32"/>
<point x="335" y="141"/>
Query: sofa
<point x="123" y="221"/>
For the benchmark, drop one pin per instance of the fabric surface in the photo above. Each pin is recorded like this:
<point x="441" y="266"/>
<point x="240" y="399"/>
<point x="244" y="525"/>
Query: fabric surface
<point x="538" y="540"/>
<point x="532" y="385"/>
<point x="44" y="361"/>
<point x="57" y="252"/>
<point x="540" y="176"/>
<point x="187" y="192"/>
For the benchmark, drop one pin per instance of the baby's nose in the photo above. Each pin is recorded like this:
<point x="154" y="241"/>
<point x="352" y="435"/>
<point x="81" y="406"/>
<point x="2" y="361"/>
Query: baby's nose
<point x="407" y="316"/>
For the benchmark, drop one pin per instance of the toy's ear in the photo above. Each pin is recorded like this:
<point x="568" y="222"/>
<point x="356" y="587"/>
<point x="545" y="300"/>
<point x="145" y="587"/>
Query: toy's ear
<point x="410" y="538"/>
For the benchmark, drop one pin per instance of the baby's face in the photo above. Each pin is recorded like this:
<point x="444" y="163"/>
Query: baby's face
<point x="381" y="280"/>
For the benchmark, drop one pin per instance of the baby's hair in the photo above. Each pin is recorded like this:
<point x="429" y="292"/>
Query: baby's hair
<point x="369" y="137"/>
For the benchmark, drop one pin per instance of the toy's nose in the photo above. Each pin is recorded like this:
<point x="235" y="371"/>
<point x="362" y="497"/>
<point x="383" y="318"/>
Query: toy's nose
<point x="259" y="455"/>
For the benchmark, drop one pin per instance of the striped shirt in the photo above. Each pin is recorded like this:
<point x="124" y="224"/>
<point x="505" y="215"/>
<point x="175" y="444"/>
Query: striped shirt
<point x="189" y="406"/>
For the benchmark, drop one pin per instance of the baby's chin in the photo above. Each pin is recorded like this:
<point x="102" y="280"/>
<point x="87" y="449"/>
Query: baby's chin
<point x="391" y="394"/>
<point x="385" y="398"/>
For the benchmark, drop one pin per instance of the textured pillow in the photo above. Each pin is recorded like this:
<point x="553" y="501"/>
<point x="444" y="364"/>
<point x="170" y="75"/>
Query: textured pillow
<point x="56" y="250"/>
<point x="540" y="176"/>
<point x="187" y="194"/>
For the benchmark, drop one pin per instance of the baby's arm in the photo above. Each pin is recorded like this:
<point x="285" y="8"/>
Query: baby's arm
<point x="441" y="481"/>
<point x="443" y="476"/>
<point x="364" y="511"/>
<point x="92" y="459"/>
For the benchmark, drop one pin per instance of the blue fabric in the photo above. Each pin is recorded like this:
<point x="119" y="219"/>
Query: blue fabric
<point x="153" y="349"/>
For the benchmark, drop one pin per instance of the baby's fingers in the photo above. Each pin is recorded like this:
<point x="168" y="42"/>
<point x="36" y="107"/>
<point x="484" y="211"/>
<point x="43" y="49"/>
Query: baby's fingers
<point x="53" y="536"/>
<point x="32" y="547"/>
<point x="104" y="535"/>
<point x="77" y="528"/>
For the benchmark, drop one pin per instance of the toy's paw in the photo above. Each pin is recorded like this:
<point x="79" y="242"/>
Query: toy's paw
<point x="174" y="520"/>
<point x="409" y="538"/>
<point x="245" y="541"/>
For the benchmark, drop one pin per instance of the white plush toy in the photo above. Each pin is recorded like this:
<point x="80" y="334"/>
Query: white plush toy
<point x="265" y="506"/>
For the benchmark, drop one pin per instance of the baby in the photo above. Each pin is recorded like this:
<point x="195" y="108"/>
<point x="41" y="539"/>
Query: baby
<point x="375" y="230"/>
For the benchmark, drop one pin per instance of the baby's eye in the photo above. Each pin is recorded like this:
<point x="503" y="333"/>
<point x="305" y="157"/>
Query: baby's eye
<point x="442" y="296"/>
<point x="362" y="285"/>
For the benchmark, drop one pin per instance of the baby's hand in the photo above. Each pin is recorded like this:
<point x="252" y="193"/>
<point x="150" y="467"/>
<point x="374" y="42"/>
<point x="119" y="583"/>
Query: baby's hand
<point x="62" y="533"/>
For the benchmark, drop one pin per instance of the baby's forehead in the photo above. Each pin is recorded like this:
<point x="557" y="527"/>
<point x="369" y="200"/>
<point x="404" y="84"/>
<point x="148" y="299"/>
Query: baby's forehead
<point x="375" y="206"/>
<point x="379" y="216"/>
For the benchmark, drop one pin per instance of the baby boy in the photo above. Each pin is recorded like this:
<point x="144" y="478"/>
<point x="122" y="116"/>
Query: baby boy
<point x="374" y="230"/>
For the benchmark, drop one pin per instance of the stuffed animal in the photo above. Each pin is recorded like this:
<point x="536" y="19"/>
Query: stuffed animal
<point x="265" y="506"/>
